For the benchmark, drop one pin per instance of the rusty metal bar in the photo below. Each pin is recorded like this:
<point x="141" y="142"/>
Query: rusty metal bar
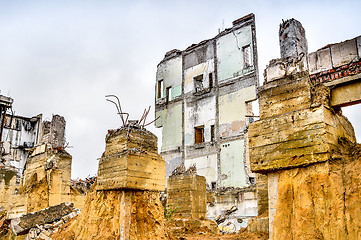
<point x="151" y="121"/>
<point x="120" y="107"/>
<point x="121" y="117"/>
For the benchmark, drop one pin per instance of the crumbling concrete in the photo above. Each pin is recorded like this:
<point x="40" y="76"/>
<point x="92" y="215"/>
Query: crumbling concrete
<point x="187" y="193"/>
<point x="307" y="148"/>
<point x="293" y="40"/>
<point x="130" y="208"/>
<point x="53" y="132"/>
<point x="131" y="161"/>
<point x="49" y="215"/>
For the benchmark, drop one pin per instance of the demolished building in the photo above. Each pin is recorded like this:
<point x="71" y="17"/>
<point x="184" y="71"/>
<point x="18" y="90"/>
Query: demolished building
<point x="35" y="167"/>
<point x="203" y="101"/>
<point x="303" y="146"/>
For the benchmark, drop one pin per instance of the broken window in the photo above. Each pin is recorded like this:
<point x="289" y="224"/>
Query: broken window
<point x="199" y="134"/>
<point x="198" y="83"/>
<point x="169" y="93"/>
<point x="210" y="79"/>
<point x="212" y="133"/>
<point x="160" y="89"/>
<point x="247" y="55"/>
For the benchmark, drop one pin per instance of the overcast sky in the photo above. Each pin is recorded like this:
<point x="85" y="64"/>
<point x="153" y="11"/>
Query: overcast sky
<point x="63" y="57"/>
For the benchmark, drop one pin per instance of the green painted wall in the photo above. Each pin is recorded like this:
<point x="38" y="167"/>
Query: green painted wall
<point x="230" y="53"/>
<point x="172" y="127"/>
<point x="232" y="164"/>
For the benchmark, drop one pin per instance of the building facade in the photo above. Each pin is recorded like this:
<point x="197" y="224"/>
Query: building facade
<point x="202" y="97"/>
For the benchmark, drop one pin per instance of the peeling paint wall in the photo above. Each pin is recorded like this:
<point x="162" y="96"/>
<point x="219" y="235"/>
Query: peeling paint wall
<point x="232" y="111"/>
<point x="206" y="125"/>
<point x="231" y="56"/>
<point x="232" y="164"/>
<point x="172" y="127"/>
<point x="206" y="166"/>
<point x="171" y="73"/>
<point x="205" y="90"/>
<point x="200" y="113"/>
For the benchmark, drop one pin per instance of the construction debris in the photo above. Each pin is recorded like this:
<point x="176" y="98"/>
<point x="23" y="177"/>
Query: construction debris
<point x="23" y="224"/>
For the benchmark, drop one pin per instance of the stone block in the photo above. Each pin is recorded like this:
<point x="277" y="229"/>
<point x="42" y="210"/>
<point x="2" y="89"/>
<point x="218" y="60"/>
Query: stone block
<point x="188" y="194"/>
<point x="274" y="71"/>
<point x="312" y="59"/>
<point x="320" y="61"/>
<point x="284" y="95"/>
<point x="296" y="139"/>
<point x="131" y="161"/>
<point x="344" y="53"/>
<point x="346" y="94"/>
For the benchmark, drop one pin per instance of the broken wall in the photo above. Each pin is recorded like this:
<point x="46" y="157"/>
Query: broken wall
<point x="306" y="148"/>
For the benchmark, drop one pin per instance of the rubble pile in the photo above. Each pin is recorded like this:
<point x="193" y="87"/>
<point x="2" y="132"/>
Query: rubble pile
<point x="37" y="225"/>
<point x="83" y="186"/>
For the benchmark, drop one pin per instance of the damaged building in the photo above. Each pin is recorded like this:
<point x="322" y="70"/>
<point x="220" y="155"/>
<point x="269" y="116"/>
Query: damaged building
<point x="203" y="99"/>
<point x="18" y="135"/>
<point x="35" y="167"/>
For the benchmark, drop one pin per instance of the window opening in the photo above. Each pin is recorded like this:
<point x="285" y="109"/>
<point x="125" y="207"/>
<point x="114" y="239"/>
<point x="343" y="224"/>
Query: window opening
<point x="160" y="89"/>
<point x="198" y="83"/>
<point x="199" y="134"/>
<point x="214" y="185"/>
<point x="247" y="55"/>
<point x="210" y="79"/>
<point x="212" y="133"/>
<point x="169" y="93"/>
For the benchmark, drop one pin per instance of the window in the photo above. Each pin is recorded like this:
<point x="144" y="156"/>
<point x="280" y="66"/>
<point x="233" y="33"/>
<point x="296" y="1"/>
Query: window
<point x="247" y="55"/>
<point x="198" y="83"/>
<point x="169" y="93"/>
<point x="160" y="89"/>
<point x="199" y="134"/>
<point x="214" y="185"/>
<point x="210" y="79"/>
<point x="212" y="133"/>
<point x="252" y="180"/>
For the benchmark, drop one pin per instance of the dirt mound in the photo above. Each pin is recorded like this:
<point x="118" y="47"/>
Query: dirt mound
<point x="321" y="201"/>
<point x="117" y="214"/>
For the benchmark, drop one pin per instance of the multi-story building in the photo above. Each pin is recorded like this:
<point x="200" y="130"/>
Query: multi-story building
<point x="18" y="135"/>
<point x="203" y="98"/>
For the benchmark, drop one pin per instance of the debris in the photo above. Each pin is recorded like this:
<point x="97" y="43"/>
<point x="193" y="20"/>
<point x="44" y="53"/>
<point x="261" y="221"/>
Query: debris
<point x="48" y="215"/>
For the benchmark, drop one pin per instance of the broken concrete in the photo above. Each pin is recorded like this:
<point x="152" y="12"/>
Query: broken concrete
<point x="131" y="161"/>
<point x="126" y="209"/>
<point x="187" y="193"/>
<point x="31" y="220"/>
<point x="307" y="149"/>
<point x="292" y="38"/>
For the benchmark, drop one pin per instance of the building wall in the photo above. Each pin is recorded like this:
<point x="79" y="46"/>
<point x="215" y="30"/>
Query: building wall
<point x="19" y="135"/>
<point x="230" y="53"/>
<point x="232" y="111"/>
<point x="209" y="85"/>
<point x="199" y="113"/>
<point x="171" y="120"/>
